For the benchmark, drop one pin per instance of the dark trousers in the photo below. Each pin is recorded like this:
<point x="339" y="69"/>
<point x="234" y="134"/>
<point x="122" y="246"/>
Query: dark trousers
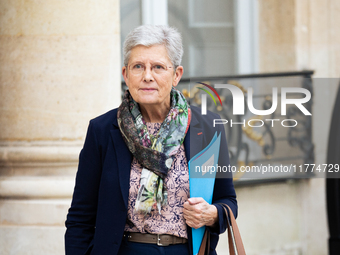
<point x="133" y="248"/>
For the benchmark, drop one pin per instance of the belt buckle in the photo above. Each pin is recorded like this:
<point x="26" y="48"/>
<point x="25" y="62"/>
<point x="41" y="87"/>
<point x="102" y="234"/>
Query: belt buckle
<point x="158" y="241"/>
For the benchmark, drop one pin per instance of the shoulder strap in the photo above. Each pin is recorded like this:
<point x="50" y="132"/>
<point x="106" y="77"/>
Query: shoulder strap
<point x="234" y="237"/>
<point x="205" y="245"/>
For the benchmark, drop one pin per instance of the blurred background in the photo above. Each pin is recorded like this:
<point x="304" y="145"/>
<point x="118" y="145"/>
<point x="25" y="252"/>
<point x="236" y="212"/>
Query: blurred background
<point x="60" y="66"/>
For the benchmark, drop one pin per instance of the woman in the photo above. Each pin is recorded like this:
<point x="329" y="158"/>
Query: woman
<point x="132" y="186"/>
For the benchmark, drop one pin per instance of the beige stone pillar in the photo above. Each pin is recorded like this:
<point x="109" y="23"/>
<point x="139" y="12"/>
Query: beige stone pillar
<point x="59" y="67"/>
<point x="300" y="34"/>
<point x="276" y="35"/>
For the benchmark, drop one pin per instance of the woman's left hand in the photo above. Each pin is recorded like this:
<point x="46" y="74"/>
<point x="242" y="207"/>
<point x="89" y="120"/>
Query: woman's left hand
<point x="197" y="213"/>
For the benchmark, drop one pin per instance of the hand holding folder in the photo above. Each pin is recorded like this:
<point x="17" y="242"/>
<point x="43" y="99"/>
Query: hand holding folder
<point x="202" y="172"/>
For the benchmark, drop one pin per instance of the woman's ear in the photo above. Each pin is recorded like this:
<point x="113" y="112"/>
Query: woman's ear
<point x="125" y="75"/>
<point x="177" y="75"/>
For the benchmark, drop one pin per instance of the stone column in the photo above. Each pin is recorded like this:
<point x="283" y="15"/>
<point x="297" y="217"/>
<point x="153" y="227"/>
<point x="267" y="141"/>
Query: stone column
<point x="276" y="35"/>
<point x="59" y="67"/>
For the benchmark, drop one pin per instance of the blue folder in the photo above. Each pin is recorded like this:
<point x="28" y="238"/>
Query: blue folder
<point x="202" y="172"/>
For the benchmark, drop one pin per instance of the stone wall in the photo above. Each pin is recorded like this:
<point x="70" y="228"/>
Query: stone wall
<point x="59" y="67"/>
<point x="300" y="34"/>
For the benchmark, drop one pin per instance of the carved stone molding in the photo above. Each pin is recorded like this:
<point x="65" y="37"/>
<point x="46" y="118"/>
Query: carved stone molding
<point x="38" y="170"/>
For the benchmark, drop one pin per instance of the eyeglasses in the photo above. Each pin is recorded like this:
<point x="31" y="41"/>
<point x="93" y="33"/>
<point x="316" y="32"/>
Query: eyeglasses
<point x="138" y="69"/>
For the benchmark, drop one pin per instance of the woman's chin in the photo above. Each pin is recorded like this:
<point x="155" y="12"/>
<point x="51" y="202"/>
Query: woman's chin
<point x="152" y="103"/>
<point x="148" y="100"/>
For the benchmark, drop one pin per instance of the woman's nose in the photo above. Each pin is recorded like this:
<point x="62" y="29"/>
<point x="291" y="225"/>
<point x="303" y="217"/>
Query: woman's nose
<point x="148" y="75"/>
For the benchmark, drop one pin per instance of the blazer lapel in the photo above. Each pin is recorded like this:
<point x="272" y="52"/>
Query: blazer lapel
<point x="124" y="159"/>
<point x="193" y="141"/>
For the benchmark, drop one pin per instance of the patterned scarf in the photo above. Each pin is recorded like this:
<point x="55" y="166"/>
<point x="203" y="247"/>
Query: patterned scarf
<point x="154" y="153"/>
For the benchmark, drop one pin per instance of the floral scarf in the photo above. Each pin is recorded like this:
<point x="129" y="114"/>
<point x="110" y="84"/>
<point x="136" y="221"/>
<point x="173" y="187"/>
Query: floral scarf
<point x="154" y="153"/>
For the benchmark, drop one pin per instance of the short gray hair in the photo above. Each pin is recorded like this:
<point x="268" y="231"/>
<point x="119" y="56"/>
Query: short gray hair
<point x="149" y="35"/>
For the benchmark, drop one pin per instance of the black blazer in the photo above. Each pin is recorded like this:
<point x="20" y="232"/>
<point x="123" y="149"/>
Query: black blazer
<point x="96" y="220"/>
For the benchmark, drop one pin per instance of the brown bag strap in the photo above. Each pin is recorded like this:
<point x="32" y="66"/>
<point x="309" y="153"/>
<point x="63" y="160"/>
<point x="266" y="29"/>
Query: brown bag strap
<point x="205" y="245"/>
<point x="234" y="237"/>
